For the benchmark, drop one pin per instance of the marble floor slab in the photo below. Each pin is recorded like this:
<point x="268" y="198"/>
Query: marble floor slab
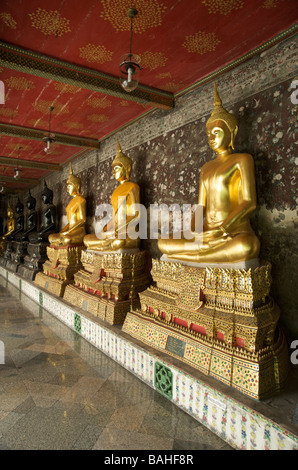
<point x="57" y="392"/>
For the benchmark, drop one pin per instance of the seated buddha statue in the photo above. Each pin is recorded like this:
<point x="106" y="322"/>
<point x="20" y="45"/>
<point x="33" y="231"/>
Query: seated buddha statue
<point x="48" y="218"/>
<point x="19" y="222"/>
<point x="31" y="219"/>
<point x="10" y="224"/>
<point x="227" y="194"/>
<point x="123" y="199"/>
<point x="74" y="232"/>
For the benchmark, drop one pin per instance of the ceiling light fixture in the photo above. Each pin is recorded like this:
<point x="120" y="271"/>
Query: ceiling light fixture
<point x="17" y="171"/>
<point x="129" y="67"/>
<point x="50" y="138"/>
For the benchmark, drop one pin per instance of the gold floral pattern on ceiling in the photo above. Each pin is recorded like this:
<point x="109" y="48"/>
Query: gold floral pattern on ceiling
<point x="73" y="125"/>
<point x="96" y="102"/>
<point x="163" y="75"/>
<point x="149" y="14"/>
<point x="97" y="118"/>
<point x="19" y="83"/>
<point x="153" y="60"/>
<point x="44" y="105"/>
<point x="224" y="7"/>
<point x="8" y="112"/>
<point x="50" y="22"/>
<point x="8" y="20"/>
<point x="66" y="88"/>
<point x="93" y="53"/>
<point x="201" y="42"/>
<point x="270" y="4"/>
<point x="172" y="87"/>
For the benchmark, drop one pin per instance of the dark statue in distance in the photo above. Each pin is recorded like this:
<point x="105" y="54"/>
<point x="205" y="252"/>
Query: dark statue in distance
<point x="38" y="239"/>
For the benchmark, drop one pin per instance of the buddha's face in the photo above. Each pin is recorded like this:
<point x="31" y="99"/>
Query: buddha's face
<point x="219" y="136"/>
<point x="9" y="214"/>
<point x="73" y="185"/>
<point x="119" y="172"/>
<point x="47" y="197"/>
<point x="30" y="203"/>
<point x="70" y="189"/>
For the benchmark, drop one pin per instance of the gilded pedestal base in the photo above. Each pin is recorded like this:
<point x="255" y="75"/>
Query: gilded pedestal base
<point x="256" y="375"/>
<point x="58" y="271"/>
<point x="109" y="284"/>
<point x="221" y="321"/>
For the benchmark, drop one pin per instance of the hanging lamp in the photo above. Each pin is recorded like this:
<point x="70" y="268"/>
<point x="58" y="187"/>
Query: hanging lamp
<point x="17" y="170"/>
<point x="129" y="67"/>
<point x="49" y="139"/>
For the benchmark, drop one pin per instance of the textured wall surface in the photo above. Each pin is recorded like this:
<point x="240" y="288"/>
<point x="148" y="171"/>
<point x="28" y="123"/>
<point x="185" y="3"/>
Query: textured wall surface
<point x="168" y="149"/>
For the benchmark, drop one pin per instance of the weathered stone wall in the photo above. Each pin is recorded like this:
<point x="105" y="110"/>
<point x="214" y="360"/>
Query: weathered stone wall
<point x="168" y="149"/>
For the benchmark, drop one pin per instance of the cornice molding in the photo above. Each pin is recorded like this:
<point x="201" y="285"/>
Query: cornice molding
<point x="37" y="134"/>
<point x="30" y="62"/>
<point x="36" y="165"/>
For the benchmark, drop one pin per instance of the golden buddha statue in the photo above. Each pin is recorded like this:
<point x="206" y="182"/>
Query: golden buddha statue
<point x="11" y="223"/>
<point x="227" y="194"/>
<point x="74" y="232"/>
<point x="10" y="228"/>
<point x="115" y="236"/>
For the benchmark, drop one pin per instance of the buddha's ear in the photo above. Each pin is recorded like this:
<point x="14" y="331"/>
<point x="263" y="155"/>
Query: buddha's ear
<point x="128" y="171"/>
<point x="233" y="137"/>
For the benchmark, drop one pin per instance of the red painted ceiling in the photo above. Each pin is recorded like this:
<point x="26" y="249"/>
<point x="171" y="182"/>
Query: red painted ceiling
<point x="179" y="41"/>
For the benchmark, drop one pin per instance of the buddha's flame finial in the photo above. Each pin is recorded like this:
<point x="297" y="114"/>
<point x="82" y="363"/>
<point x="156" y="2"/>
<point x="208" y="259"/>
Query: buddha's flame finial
<point x="118" y="146"/>
<point x="217" y="101"/>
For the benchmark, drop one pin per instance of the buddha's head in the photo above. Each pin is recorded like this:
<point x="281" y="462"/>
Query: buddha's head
<point x="9" y="212"/>
<point x="121" y="165"/>
<point x="47" y="195"/>
<point x="30" y="202"/>
<point x="73" y="183"/>
<point x="19" y="207"/>
<point x="222" y="127"/>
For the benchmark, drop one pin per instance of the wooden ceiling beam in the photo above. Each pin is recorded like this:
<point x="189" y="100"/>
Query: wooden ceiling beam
<point x="11" y="179"/>
<point x="16" y="58"/>
<point x="37" y="134"/>
<point x="35" y="165"/>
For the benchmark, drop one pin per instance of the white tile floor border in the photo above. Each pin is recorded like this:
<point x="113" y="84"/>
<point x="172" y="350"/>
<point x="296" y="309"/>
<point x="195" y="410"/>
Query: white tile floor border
<point x="240" y="426"/>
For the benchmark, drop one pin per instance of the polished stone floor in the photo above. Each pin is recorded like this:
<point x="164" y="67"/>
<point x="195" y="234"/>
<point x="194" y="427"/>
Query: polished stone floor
<point x="58" y="392"/>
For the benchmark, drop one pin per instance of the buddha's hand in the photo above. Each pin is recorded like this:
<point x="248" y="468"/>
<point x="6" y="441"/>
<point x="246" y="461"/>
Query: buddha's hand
<point x="219" y="235"/>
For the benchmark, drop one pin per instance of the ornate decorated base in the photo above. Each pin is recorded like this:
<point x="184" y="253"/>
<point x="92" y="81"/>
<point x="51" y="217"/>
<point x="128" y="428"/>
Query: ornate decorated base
<point x="18" y="255"/>
<point x="7" y="253"/>
<point x="109" y="283"/>
<point x="221" y="321"/>
<point x="33" y="261"/>
<point x="58" y="271"/>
